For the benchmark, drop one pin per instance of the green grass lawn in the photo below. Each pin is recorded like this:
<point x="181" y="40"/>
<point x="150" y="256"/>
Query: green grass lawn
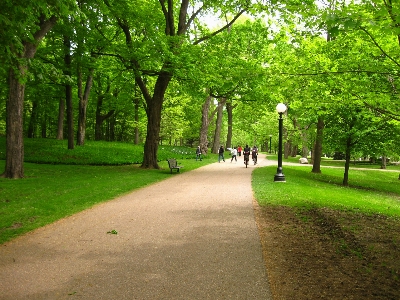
<point x="370" y="191"/>
<point x="51" y="151"/>
<point x="326" y="161"/>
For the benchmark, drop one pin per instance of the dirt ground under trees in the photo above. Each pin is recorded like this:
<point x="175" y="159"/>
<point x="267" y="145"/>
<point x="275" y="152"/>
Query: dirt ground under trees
<point x="326" y="254"/>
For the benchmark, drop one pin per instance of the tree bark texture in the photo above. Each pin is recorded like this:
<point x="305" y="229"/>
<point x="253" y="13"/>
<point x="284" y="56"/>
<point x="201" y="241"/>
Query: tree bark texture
<point x="83" y="102"/>
<point x="61" y="112"/>
<point x="153" y="111"/>
<point x="14" y="128"/>
<point x="43" y="126"/>
<point x="304" y="142"/>
<point x="152" y="137"/>
<point x="70" y="116"/>
<point x="136" y="105"/>
<point x="205" y="122"/>
<point x="229" y="110"/>
<point x="294" y="150"/>
<point x="68" y="93"/>
<point x="347" y="162"/>
<point x="100" y="117"/>
<point x="218" y="125"/>
<point x="98" y="133"/>
<point x="317" y="153"/>
<point x="383" y="162"/>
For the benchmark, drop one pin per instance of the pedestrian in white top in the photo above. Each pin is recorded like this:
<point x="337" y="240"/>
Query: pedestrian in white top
<point x="234" y="153"/>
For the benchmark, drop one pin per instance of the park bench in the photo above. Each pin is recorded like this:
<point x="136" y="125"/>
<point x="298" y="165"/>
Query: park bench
<point x="173" y="164"/>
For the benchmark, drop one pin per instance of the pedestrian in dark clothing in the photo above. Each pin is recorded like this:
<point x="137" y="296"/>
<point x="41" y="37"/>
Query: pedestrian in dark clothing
<point x="198" y="153"/>
<point x="246" y="153"/>
<point x="221" y="154"/>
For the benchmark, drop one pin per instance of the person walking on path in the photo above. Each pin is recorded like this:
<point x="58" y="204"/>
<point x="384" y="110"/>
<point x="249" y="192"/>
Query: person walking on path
<point x="254" y="154"/>
<point x="239" y="150"/>
<point x="233" y="153"/>
<point x="198" y="153"/>
<point x="221" y="154"/>
<point x="246" y="154"/>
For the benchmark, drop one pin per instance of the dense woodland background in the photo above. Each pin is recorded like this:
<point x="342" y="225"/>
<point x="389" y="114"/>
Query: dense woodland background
<point x="202" y="73"/>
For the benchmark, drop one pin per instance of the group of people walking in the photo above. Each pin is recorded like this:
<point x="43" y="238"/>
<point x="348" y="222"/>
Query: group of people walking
<point x="235" y="151"/>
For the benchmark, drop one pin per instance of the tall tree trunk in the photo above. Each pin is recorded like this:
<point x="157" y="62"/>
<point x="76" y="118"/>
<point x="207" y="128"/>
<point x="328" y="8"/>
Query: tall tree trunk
<point x="60" y="126"/>
<point x="153" y="134"/>
<point x="206" y="119"/>
<point x="153" y="104"/>
<point x="107" y="132"/>
<point x="294" y="150"/>
<point x="218" y="126"/>
<point x="99" y="123"/>
<point x="304" y="143"/>
<point x="14" y="167"/>
<point x="14" y="127"/>
<point x="136" y="106"/>
<point x="70" y="116"/>
<point x="83" y="102"/>
<point x="100" y="118"/>
<point x="229" y="109"/>
<point x="304" y="151"/>
<point x="68" y="93"/>
<point x="205" y="122"/>
<point x="153" y="110"/>
<point x="98" y="134"/>
<point x="349" y="145"/>
<point x="383" y="162"/>
<point x="286" y="149"/>
<point x="317" y="153"/>
<point x="347" y="163"/>
<point x="112" y="129"/>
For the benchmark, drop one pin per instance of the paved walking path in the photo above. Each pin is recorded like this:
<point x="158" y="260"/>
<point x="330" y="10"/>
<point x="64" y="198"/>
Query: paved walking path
<point x="192" y="236"/>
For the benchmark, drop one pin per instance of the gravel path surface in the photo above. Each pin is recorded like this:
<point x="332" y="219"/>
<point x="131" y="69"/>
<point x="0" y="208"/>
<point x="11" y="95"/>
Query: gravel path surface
<point x="192" y="236"/>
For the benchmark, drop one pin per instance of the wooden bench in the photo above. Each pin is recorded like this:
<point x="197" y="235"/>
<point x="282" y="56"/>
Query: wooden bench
<point x="173" y="164"/>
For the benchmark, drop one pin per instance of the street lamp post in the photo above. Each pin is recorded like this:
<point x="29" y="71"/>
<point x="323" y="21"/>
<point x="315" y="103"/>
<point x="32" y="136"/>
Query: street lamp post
<point x="279" y="176"/>
<point x="270" y="142"/>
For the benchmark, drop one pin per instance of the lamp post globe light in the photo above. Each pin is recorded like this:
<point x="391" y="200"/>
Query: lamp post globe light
<point x="279" y="176"/>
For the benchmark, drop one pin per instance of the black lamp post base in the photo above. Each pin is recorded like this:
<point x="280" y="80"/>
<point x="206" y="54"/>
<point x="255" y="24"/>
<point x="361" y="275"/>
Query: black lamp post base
<point x="279" y="178"/>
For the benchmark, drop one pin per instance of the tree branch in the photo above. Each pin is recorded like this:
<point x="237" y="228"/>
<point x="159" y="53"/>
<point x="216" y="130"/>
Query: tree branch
<point x="168" y="16"/>
<point x="383" y="112"/>
<point x="44" y="27"/>
<point x="380" y="48"/>
<point x="202" y="39"/>
<point x="182" y="26"/>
